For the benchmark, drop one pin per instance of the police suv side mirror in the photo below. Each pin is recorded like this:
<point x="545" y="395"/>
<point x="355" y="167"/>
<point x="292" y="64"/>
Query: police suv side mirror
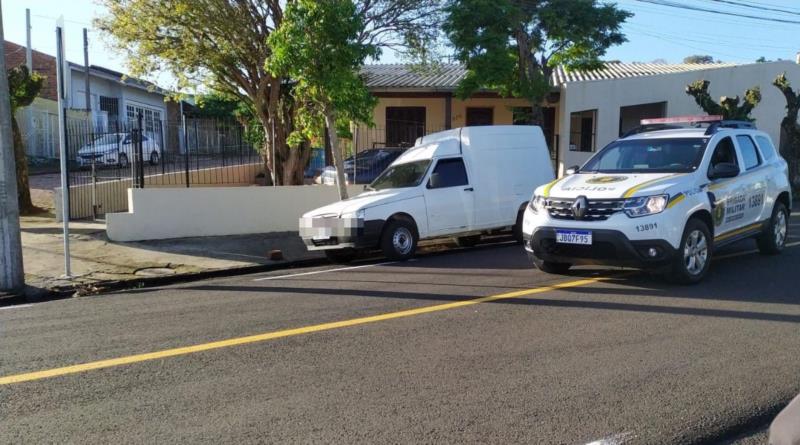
<point x="572" y="170"/>
<point x="435" y="181"/>
<point x="724" y="170"/>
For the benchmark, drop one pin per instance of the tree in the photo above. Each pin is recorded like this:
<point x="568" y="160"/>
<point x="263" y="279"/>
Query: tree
<point x="790" y="130"/>
<point x="728" y="107"/>
<point x="318" y="47"/>
<point x="697" y="58"/>
<point x="23" y="87"/>
<point x="762" y="59"/>
<point x="512" y="45"/>
<point x="218" y="43"/>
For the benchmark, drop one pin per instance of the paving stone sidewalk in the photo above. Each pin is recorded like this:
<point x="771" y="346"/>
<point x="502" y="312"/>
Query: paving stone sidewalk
<point x="97" y="260"/>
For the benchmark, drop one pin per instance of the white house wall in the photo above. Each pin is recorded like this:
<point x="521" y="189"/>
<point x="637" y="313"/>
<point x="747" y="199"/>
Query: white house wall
<point x="607" y="96"/>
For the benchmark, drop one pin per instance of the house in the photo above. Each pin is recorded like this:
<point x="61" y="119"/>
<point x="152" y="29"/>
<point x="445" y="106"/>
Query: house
<point x="114" y="98"/>
<point x="584" y="111"/>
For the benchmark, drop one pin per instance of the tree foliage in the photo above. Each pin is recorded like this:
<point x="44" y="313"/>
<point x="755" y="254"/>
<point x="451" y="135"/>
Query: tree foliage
<point x="697" y="58"/>
<point x="790" y="130"/>
<point x="513" y="45"/>
<point x="728" y="107"/>
<point x="318" y="47"/>
<point x="23" y="88"/>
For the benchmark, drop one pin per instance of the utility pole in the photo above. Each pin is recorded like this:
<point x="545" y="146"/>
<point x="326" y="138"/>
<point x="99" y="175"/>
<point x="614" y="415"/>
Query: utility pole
<point x="86" y="70"/>
<point x="29" y="64"/>
<point x="12" y="275"/>
<point x="62" y="142"/>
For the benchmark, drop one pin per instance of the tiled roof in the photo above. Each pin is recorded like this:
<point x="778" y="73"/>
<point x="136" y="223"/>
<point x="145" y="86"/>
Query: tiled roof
<point x="446" y="77"/>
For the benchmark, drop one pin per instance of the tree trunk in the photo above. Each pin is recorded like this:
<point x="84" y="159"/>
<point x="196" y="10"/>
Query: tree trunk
<point x="26" y="206"/>
<point x="330" y="122"/>
<point x="294" y="166"/>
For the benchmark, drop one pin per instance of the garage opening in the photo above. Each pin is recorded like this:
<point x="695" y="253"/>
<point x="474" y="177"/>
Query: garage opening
<point x="630" y="116"/>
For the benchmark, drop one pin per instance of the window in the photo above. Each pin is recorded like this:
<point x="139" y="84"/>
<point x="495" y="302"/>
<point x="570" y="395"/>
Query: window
<point x="404" y="125"/>
<point x="451" y="173"/>
<point x="767" y="149"/>
<point x="409" y="174"/>
<point x="582" y="130"/>
<point x="749" y="152"/>
<point x="480" y="116"/>
<point x="663" y="155"/>
<point x="723" y="153"/>
<point x="110" y="105"/>
<point x="522" y="115"/>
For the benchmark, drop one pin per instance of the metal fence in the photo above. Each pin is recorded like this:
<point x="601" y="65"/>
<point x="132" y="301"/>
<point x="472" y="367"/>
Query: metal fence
<point x="104" y="161"/>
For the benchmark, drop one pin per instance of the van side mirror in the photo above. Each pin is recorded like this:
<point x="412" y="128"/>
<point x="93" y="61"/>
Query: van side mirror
<point x="572" y="170"/>
<point x="435" y="182"/>
<point x="724" y="170"/>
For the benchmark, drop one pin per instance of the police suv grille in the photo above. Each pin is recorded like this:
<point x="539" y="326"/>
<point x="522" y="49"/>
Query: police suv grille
<point x="599" y="209"/>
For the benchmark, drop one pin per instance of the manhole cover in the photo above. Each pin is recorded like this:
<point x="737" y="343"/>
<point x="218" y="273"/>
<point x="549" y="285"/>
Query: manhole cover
<point x="154" y="272"/>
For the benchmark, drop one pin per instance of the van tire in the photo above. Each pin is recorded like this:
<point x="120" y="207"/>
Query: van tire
<point x="468" y="241"/>
<point x="399" y="239"/>
<point x="773" y="239"/>
<point x="552" y="267"/>
<point x="694" y="232"/>
<point x="341" y="256"/>
<point x="517" y="229"/>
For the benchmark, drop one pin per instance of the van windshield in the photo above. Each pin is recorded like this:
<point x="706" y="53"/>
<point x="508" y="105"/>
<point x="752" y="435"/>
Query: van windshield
<point x="408" y="174"/>
<point x="662" y="155"/>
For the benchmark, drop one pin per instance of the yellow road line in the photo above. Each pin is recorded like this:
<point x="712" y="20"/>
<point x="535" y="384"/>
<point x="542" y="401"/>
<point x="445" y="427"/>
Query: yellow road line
<point x="100" y="364"/>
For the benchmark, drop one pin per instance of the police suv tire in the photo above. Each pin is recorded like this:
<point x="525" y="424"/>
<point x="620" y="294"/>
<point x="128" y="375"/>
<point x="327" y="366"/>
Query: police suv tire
<point x="399" y="239"/>
<point x="680" y="272"/>
<point x="340" y="256"/>
<point x="551" y="267"/>
<point x="468" y="241"/>
<point x="771" y="241"/>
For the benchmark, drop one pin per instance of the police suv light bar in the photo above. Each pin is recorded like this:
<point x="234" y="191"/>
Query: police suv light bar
<point x="681" y="119"/>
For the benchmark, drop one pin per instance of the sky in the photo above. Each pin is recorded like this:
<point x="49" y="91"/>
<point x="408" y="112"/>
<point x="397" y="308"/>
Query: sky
<point x="654" y="32"/>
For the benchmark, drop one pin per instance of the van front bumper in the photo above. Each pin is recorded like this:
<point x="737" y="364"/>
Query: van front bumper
<point x="609" y="247"/>
<point x="340" y="233"/>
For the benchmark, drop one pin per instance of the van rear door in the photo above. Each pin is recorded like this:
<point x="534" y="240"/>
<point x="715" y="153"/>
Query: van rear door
<point x="449" y="197"/>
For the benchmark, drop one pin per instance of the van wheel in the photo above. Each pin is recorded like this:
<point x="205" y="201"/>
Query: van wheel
<point x="468" y="241"/>
<point x="517" y="229"/>
<point x="399" y="240"/>
<point x="773" y="240"/>
<point x="693" y="258"/>
<point x="552" y="267"/>
<point x="341" y="256"/>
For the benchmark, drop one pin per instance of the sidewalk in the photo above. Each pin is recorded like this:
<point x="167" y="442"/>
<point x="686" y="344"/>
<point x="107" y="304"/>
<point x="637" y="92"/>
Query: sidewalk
<point x="96" y="260"/>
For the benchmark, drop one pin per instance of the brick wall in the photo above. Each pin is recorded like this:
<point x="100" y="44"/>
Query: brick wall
<point x="42" y="63"/>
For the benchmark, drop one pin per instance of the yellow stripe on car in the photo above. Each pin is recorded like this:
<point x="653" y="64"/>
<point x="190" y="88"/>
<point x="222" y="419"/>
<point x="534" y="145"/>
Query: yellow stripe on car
<point x="546" y="191"/>
<point x="737" y="232"/>
<point x="636" y="188"/>
<point x="675" y="200"/>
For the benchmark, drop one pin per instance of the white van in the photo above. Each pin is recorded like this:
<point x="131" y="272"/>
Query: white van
<point x="455" y="183"/>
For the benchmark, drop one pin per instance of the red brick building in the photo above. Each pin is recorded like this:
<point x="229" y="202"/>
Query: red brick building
<point x="42" y="63"/>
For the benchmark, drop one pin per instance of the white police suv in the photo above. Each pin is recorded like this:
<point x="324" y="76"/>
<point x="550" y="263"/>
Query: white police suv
<point x="663" y="197"/>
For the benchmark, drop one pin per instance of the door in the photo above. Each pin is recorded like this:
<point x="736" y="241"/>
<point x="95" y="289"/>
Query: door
<point x="449" y="198"/>
<point x="730" y="201"/>
<point x="480" y="116"/>
<point x="754" y="179"/>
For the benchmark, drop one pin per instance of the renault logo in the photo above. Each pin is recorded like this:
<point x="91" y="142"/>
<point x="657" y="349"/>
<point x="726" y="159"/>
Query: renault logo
<point x="579" y="207"/>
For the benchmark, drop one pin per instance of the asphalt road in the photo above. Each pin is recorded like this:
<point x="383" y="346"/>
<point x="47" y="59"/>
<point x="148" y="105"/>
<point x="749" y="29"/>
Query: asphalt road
<point x="403" y="352"/>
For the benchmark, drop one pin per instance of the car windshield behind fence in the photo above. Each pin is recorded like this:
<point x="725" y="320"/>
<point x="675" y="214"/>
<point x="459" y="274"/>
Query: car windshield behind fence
<point x="665" y="155"/>
<point x="409" y="174"/>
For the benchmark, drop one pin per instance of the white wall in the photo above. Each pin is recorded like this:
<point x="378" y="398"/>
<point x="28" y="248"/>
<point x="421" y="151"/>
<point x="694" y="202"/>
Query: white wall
<point x="607" y="96"/>
<point x="213" y="211"/>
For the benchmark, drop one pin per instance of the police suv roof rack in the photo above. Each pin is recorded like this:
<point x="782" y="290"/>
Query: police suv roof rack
<point x="714" y="122"/>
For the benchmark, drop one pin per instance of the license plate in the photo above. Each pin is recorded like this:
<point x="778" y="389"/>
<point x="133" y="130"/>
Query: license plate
<point x="574" y="237"/>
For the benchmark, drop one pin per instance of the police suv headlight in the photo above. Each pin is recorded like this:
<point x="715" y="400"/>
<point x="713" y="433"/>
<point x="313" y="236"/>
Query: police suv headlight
<point x="537" y="204"/>
<point x="645" y="205"/>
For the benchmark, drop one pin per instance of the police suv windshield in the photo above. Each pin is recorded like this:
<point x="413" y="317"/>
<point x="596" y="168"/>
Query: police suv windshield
<point x="656" y="155"/>
<point x="408" y="174"/>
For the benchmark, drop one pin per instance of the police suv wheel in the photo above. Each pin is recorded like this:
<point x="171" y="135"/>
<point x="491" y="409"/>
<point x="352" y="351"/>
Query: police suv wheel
<point x="693" y="258"/>
<point x="399" y="240"/>
<point x="773" y="240"/>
